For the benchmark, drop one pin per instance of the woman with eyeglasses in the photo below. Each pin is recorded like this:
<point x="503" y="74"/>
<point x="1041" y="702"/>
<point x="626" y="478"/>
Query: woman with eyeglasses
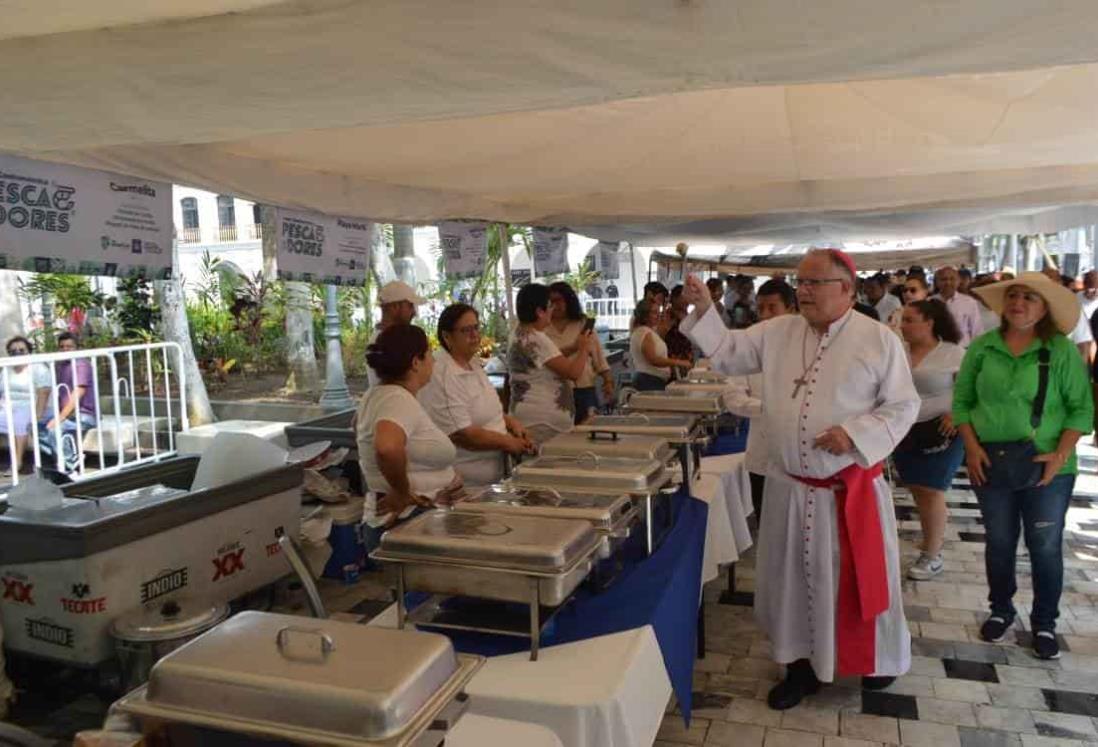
<point x="567" y="323"/>
<point x="464" y="405"/>
<point x="26" y="386"/>
<point x="1021" y="402"/>
<point x="915" y="289"/>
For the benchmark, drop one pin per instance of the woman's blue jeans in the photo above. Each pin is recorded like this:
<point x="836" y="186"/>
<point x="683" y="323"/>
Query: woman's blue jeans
<point x="1039" y="514"/>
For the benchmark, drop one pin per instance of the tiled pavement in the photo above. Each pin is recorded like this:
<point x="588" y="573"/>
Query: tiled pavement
<point x="960" y="692"/>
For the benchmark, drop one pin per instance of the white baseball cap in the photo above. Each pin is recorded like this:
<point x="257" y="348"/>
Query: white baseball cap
<point x="396" y="291"/>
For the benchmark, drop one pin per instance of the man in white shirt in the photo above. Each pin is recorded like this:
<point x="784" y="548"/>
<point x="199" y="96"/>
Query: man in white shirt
<point x="876" y="293"/>
<point x="965" y="309"/>
<point x="1088" y="302"/>
<point x="398" y="302"/>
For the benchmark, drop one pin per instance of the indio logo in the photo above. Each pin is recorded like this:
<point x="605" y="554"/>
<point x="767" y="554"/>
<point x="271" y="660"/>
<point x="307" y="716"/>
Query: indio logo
<point x="165" y="582"/>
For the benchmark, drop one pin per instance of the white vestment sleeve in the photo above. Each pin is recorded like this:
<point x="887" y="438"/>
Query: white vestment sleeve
<point x="731" y="351"/>
<point x="876" y="433"/>
<point x="743" y="401"/>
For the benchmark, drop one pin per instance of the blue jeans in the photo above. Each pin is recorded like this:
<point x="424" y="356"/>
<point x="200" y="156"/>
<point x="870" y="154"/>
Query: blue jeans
<point x="47" y="440"/>
<point x="586" y="399"/>
<point x="1040" y="513"/>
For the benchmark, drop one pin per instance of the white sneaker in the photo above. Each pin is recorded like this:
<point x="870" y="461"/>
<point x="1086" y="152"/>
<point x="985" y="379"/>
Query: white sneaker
<point x="926" y="567"/>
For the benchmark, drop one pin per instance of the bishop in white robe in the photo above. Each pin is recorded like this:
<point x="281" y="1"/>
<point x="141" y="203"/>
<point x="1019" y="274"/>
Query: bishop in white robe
<point x="839" y="397"/>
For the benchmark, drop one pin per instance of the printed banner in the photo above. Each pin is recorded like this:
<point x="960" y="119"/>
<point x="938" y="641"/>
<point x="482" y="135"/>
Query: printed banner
<point x="464" y="247"/>
<point x="604" y="259"/>
<point x="56" y="218"/>
<point x="318" y="248"/>
<point x="550" y="251"/>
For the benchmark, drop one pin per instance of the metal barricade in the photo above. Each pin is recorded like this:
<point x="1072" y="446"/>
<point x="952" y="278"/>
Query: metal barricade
<point x="132" y="423"/>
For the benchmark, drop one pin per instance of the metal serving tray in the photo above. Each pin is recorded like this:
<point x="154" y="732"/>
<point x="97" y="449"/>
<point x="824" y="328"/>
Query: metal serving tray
<point x="705" y="387"/>
<point x="677" y="400"/>
<point x="308" y="681"/>
<point x="606" y="513"/>
<point x="589" y="473"/>
<point x="676" y="429"/>
<point x="609" y="445"/>
<point x="335" y="427"/>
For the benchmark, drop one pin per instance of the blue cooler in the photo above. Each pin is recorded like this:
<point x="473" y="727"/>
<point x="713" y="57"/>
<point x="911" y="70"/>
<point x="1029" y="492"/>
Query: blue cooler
<point x="348" y="550"/>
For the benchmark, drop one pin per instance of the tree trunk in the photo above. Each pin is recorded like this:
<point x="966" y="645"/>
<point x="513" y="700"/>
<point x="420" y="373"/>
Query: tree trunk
<point x="300" y="345"/>
<point x="404" y="254"/>
<point x="175" y="328"/>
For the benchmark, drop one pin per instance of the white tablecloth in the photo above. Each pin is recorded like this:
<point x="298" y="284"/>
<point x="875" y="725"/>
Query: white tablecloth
<point x="481" y="731"/>
<point x="720" y="541"/>
<point x="737" y="492"/>
<point x="609" y="691"/>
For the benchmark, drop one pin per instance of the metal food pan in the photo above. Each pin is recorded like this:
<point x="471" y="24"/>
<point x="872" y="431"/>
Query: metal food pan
<point x="679" y="400"/>
<point x="680" y="428"/>
<point x="609" y="445"/>
<point x="493" y="583"/>
<point x="604" y="512"/>
<point x="591" y="473"/>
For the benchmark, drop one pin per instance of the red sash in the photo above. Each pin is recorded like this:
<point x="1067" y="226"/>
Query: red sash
<point x="863" y="577"/>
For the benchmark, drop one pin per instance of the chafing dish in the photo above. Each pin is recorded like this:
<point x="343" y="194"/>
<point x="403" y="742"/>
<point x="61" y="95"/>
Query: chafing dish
<point x="644" y="479"/>
<point x="708" y="385"/>
<point x="609" y="445"/>
<point x="260" y="675"/>
<point x="611" y="515"/>
<point x="510" y="558"/>
<point x="677" y="429"/>
<point x="691" y="400"/>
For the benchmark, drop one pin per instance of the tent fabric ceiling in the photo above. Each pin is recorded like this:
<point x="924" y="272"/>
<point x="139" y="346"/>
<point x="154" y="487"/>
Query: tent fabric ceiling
<point x="757" y="119"/>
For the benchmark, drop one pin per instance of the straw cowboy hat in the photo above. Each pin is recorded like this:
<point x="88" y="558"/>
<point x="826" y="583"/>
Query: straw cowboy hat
<point x="1061" y="302"/>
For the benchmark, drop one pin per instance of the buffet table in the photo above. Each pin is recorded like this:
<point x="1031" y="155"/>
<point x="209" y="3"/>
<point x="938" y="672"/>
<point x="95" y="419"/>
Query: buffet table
<point x="473" y="730"/>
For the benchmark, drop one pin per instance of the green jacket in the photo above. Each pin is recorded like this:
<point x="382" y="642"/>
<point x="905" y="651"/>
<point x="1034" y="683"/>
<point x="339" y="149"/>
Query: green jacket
<point x="995" y="390"/>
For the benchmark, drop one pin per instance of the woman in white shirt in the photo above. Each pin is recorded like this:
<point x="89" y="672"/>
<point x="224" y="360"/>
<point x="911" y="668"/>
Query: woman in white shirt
<point x="930" y="454"/>
<point x="27" y="387"/>
<point x="541" y="376"/>
<point x="568" y="322"/>
<point x="915" y="289"/>
<point x="651" y="366"/>
<point x="406" y="461"/>
<point x="464" y="405"/>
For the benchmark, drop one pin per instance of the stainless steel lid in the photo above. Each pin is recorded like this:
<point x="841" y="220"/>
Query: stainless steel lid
<point x="169" y="620"/>
<point x="677" y="400"/>
<point x="591" y="473"/>
<point x="710" y="387"/>
<point x="626" y="446"/>
<point x="675" y="428"/>
<point x="605" y="512"/>
<point x="532" y="544"/>
<point x="329" y="680"/>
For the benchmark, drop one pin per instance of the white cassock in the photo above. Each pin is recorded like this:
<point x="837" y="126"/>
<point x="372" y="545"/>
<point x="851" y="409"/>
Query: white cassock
<point x="856" y="376"/>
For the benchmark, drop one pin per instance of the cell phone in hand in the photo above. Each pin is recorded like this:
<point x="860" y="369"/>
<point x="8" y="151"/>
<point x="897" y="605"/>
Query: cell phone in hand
<point x="589" y="324"/>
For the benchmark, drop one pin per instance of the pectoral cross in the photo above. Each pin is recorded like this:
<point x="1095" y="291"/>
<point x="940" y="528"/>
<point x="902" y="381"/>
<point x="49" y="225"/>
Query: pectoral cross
<point x="800" y="381"/>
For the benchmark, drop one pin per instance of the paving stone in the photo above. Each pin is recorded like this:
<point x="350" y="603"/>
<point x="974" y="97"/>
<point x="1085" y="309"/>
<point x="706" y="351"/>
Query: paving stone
<point x="1016" y="696"/>
<point x="674" y="730"/>
<point x="927" y="666"/>
<point x="713" y="662"/>
<point x="977" y="671"/>
<point x="869" y="727"/>
<point x="985" y="652"/>
<point x="726" y="734"/>
<point x="1027" y="676"/>
<point x="806" y="717"/>
<point x="751" y="711"/>
<point x="1064" y="725"/>
<point x="971" y="737"/>
<point x="844" y="742"/>
<point x="928" y="734"/>
<point x="911" y="685"/>
<point x="947" y="712"/>
<point x="783" y="738"/>
<point x="1005" y="719"/>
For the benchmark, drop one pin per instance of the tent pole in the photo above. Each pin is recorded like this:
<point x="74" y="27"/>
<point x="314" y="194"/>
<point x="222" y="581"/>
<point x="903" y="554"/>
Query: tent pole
<point x="505" y="257"/>
<point x="633" y="269"/>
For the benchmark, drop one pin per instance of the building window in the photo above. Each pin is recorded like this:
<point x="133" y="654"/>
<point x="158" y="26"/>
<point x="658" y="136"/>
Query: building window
<point x="190" y="234"/>
<point x="226" y="218"/>
<point x="257" y="221"/>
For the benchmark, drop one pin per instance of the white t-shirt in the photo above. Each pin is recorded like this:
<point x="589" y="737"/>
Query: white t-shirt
<point x="429" y="451"/>
<point x="538" y="396"/>
<point x="22" y="385"/>
<point x="886" y="306"/>
<point x="1087" y="307"/>
<point x="934" y="377"/>
<point x="458" y="398"/>
<point x="371" y="375"/>
<point x="636" y="352"/>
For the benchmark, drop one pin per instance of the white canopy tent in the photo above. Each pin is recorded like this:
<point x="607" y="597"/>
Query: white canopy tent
<point x="641" y="120"/>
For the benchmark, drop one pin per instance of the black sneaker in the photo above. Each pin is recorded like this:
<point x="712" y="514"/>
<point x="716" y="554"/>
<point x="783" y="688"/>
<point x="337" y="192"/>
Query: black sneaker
<point x="799" y="682"/>
<point x="1045" y="645"/>
<point x="995" y="628"/>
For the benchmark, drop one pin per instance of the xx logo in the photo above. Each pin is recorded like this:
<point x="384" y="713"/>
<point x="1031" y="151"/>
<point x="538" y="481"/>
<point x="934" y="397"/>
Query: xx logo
<point x="228" y="564"/>
<point x="18" y="591"/>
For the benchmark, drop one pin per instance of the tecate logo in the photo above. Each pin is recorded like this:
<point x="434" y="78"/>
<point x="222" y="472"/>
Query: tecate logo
<point x="48" y="632"/>
<point x="165" y="583"/>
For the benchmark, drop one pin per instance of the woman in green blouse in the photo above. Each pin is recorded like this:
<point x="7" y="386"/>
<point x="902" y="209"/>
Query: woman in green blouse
<point x="1021" y="457"/>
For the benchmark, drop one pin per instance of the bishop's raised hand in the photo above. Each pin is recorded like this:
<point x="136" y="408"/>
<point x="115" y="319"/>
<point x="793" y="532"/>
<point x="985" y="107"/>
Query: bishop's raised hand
<point x="696" y="294"/>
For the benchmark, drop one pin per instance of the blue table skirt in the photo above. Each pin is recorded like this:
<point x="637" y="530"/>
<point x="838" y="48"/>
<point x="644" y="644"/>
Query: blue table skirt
<point x="729" y="442"/>
<point x="662" y="591"/>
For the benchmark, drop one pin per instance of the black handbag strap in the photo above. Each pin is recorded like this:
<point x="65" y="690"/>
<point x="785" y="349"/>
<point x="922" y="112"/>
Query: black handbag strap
<point x="1043" y="365"/>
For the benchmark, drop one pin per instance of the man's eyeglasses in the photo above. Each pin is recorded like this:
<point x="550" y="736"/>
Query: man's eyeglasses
<point x="814" y="283"/>
<point x="470" y="330"/>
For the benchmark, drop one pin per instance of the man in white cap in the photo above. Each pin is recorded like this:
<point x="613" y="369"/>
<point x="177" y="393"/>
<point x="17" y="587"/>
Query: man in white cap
<point x="398" y="302"/>
<point x="838" y="398"/>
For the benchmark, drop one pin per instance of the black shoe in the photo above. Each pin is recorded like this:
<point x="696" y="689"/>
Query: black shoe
<point x="799" y="681"/>
<point x="1045" y="645"/>
<point x="995" y="628"/>
<point x="876" y="683"/>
